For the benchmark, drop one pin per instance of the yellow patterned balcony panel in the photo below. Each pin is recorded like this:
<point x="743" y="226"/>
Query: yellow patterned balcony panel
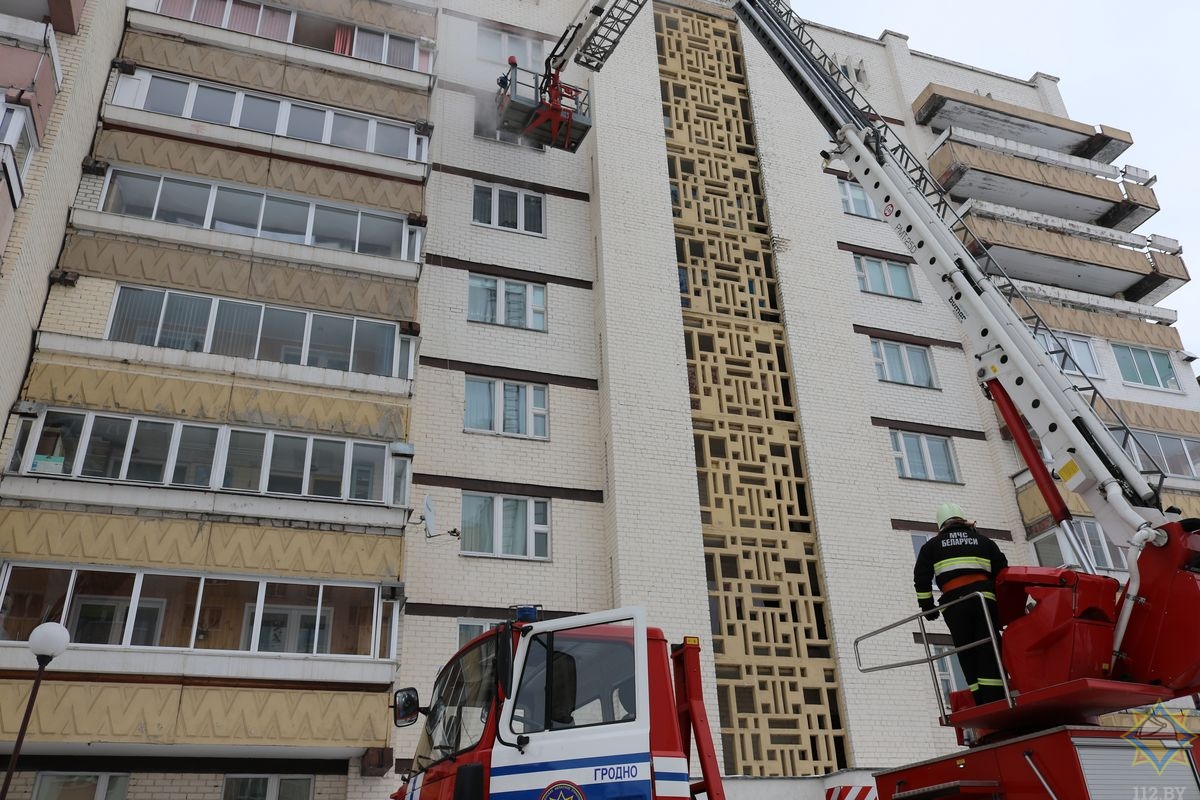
<point x="76" y="382"/>
<point x="146" y="264"/>
<point x="942" y="107"/>
<point x="1105" y="325"/>
<point x="1170" y="274"/>
<point x="96" y="713"/>
<point x="35" y="534"/>
<point x="973" y="172"/>
<point x="1061" y="259"/>
<point x="253" y="169"/>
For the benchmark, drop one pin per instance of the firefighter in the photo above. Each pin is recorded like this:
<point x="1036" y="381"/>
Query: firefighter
<point x="964" y="562"/>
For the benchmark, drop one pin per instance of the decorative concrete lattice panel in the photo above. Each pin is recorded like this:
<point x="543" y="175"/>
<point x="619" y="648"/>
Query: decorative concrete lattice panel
<point x="778" y="691"/>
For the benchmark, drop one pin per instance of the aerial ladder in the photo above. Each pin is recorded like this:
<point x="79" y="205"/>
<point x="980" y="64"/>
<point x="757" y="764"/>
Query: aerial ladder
<point x="543" y="108"/>
<point x="1076" y="645"/>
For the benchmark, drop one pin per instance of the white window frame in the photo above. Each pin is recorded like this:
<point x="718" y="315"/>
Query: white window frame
<point x="133" y="90"/>
<point x="1150" y="352"/>
<point x="15" y="120"/>
<point x="864" y="284"/>
<point x="403" y="354"/>
<point x="412" y="235"/>
<point x="1106" y="556"/>
<point x="102" y="779"/>
<point x="853" y="194"/>
<point x="422" y="51"/>
<point x="1189" y="446"/>
<point x="509" y="45"/>
<point x="946" y="668"/>
<point x="532" y="307"/>
<point x="135" y="600"/>
<point x="883" y="366"/>
<point x="531" y="412"/>
<point x="531" y="528"/>
<point x="470" y="627"/>
<point x="1069" y="361"/>
<point x="901" y="458"/>
<point x="220" y="457"/>
<point x="496" y="188"/>
<point x="272" y="783"/>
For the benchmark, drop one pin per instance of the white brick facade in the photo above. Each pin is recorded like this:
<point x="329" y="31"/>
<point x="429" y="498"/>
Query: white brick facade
<point x="37" y="232"/>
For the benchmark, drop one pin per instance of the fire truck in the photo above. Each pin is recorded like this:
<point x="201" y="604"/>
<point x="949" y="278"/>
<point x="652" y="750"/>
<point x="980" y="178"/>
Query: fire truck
<point x="585" y="707"/>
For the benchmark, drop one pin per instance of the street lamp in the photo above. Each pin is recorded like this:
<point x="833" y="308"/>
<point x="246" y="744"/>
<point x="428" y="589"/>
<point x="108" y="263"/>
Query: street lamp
<point x="47" y="641"/>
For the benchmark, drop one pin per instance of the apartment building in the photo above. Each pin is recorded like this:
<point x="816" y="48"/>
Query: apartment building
<point x="208" y="466"/>
<point x="332" y="372"/>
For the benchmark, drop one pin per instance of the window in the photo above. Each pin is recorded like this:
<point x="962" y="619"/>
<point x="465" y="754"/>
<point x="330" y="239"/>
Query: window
<point x="59" y="786"/>
<point x="902" y="363"/>
<point x="251" y="330"/>
<point x="495" y="47"/>
<point x="1054" y="549"/>
<point x="1145" y="367"/>
<point x="119" y="448"/>
<point x="576" y="677"/>
<point x="1078" y="357"/>
<point x="303" y="29"/>
<point x="949" y="674"/>
<point x="923" y="457"/>
<point x="267" y="787"/>
<point x="253" y="213"/>
<point x="884" y="277"/>
<point x="139" y="608"/>
<point x="505" y="526"/>
<point x="459" y="706"/>
<point x="507" y="302"/>
<point x="17" y="131"/>
<point x="855" y="200"/>
<point x="1174" y="455"/>
<point x="505" y="207"/>
<point x="517" y="409"/>
<point x="468" y="629"/>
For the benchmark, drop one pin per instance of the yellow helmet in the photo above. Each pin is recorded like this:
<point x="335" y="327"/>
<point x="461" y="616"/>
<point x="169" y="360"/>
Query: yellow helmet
<point x="949" y="511"/>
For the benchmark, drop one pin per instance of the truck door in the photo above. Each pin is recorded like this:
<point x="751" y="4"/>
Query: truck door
<point x="578" y="722"/>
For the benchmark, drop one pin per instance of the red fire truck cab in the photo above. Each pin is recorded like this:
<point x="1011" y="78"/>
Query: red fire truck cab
<point x="594" y="706"/>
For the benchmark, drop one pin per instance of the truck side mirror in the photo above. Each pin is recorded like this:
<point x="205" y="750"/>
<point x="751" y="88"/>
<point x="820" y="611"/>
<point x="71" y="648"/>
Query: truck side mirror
<point x="406" y="707"/>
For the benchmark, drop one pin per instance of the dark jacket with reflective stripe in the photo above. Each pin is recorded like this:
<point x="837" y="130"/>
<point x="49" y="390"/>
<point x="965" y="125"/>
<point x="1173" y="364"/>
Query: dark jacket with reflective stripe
<point x="957" y="551"/>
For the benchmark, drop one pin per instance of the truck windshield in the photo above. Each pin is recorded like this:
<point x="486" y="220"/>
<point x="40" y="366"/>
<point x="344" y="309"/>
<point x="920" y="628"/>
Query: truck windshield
<point x="459" y="708"/>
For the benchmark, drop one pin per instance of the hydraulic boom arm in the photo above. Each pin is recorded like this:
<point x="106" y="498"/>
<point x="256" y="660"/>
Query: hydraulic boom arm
<point x="1010" y="363"/>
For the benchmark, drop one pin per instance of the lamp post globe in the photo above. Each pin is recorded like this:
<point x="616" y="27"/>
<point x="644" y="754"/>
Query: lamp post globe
<point x="49" y="640"/>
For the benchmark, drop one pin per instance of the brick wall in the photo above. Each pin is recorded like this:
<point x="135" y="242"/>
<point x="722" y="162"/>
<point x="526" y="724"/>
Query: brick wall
<point x="37" y="232"/>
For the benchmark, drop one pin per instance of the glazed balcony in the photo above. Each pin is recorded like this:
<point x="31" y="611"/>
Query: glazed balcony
<point x="1072" y="255"/>
<point x="30" y="72"/>
<point x="63" y="14"/>
<point x="969" y="167"/>
<point x="941" y="108"/>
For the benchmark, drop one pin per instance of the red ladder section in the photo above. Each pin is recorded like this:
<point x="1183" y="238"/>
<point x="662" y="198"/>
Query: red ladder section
<point x="693" y="719"/>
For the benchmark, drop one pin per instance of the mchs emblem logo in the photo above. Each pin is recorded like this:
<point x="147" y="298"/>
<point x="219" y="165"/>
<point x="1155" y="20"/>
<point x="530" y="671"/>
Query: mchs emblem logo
<point x="563" y="790"/>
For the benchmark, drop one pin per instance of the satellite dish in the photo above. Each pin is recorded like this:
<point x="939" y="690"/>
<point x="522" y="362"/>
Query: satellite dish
<point x="428" y="517"/>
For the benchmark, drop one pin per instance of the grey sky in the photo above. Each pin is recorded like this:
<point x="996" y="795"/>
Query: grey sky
<point x="1127" y="65"/>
